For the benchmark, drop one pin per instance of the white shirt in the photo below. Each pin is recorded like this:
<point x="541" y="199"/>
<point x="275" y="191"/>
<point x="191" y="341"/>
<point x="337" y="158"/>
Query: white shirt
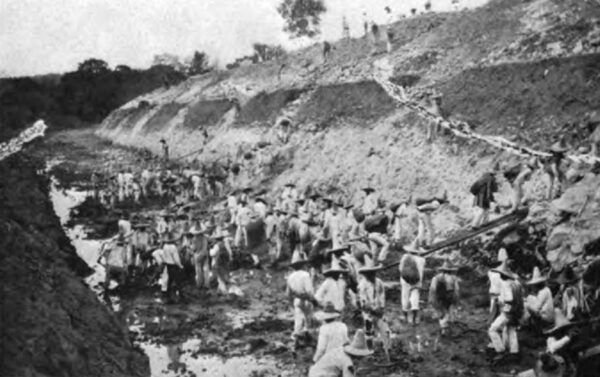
<point x="124" y="227"/>
<point x="332" y="335"/>
<point x="371" y="295"/>
<point x="495" y="283"/>
<point x="335" y="363"/>
<point x="171" y="255"/>
<point x="331" y="291"/>
<point x="542" y="303"/>
<point x="260" y="209"/>
<point x="300" y="283"/>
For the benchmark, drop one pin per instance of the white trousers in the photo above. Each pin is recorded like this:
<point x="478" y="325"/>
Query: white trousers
<point x="411" y="296"/>
<point x="502" y="334"/>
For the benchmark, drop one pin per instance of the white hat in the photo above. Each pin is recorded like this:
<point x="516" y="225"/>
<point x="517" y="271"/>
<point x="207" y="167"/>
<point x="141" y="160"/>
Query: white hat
<point x="536" y="277"/>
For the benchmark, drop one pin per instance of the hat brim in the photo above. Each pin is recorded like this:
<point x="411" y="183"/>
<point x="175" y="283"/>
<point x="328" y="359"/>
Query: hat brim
<point x="299" y="263"/>
<point x="506" y="274"/>
<point x="537" y="281"/>
<point x="335" y="271"/>
<point x="357" y="352"/>
<point x="323" y="316"/>
<point x="554" y="329"/>
<point x="336" y="250"/>
<point x="448" y="269"/>
<point x="370" y="269"/>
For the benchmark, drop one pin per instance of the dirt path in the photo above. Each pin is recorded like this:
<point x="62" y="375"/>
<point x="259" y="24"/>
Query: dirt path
<point x="209" y="334"/>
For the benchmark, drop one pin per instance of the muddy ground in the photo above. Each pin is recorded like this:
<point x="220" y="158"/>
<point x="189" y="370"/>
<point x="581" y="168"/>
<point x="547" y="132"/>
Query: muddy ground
<point x="210" y="334"/>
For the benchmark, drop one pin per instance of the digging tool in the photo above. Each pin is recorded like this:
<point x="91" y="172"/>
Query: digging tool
<point x="517" y="215"/>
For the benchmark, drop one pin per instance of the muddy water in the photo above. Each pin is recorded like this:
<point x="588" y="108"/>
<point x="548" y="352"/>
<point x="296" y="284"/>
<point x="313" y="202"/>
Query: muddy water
<point x="177" y="359"/>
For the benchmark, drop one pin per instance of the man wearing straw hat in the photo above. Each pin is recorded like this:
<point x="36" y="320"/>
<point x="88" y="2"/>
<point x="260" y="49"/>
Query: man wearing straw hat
<point x="496" y="284"/>
<point x="370" y="203"/>
<point x="444" y="293"/>
<point x="371" y="296"/>
<point x="299" y="289"/>
<point x="412" y="268"/>
<point x="174" y="267"/>
<point x="242" y="220"/>
<point x="539" y="305"/>
<point x="340" y="361"/>
<point x="333" y="289"/>
<point x="332" y="333"/>
<point x="511" y="310"/>
<point x="200" y="256"/>
<point x="221" y="254"/>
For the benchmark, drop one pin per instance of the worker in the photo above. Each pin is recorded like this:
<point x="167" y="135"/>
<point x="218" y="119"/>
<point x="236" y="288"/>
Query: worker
<point x="412" y="268"/>
<point x="496" y="284"/>
<point x="174" y="268"/>
<point x="371" y="297"/>
<point x="332" y="334"/>
<point x="553" y="169"/>
<point x="299" y="289"/>
<point x="444" y="294"/>
<point x="426" y="206"/>
<point x="483" y="189"/>
<point x="539" y="304"/>
<point x="511" y="311"/>
<point x="221" y="255"/>
<point x="340" y="361"/>
<point x="332" y="289"/>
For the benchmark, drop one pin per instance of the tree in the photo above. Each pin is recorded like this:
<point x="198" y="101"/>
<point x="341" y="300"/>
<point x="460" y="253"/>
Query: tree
<point x="302" y="17"/>
<point x="93" y="67"/>
<point x="267" y="52"/>
<point x="169" y="60"/>
<point x="199" y="63"/>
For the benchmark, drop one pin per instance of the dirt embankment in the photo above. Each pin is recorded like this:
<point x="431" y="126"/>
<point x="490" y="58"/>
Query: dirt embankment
<point x="51" y="324"/>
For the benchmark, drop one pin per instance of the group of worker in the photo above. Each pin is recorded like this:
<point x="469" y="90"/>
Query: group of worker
<point x="336" y="242"/>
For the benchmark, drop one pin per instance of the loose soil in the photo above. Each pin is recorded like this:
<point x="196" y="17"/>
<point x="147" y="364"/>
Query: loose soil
<point x="255" y="330"/>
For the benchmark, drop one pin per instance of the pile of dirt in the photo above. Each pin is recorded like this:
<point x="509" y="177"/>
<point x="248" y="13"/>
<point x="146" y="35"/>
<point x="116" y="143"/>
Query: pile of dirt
<point x="264" y="107"/>
<point x="355" y="101"/>
<point x="51" y="324"/>
<point x="206" y="113"/>
<point x="530" y="100"/>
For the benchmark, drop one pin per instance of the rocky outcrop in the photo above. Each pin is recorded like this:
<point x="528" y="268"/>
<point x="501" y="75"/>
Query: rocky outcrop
<point x="51" y="323"/>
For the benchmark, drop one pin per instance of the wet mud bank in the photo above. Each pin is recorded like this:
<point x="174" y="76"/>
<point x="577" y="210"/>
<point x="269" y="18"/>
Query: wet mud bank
<point x="52" y="324"/>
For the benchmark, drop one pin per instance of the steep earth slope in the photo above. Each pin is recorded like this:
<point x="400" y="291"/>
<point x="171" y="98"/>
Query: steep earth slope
<point x="51" y="323"/>
<point x="525" y="70"/>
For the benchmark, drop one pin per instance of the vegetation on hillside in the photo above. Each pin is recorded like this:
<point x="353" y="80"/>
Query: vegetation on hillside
<point x="76" y="98"/>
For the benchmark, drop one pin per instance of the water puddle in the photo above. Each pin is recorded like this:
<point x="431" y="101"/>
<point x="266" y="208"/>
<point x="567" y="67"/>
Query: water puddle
<point x="170" y="360"/>
<point x="182" y="359"/>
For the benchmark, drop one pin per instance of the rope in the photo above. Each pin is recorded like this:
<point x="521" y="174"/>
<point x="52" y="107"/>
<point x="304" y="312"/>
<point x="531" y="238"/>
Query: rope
<point x="464" y="130"/>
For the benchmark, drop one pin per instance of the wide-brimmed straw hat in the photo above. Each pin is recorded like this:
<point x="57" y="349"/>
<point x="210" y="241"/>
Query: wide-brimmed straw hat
<point x="368" y="189"/>
<point x="559" y="147"/>
<point x="298" y="259"/>
<point x="505" y="271"/>
<point x="335" y="268"/>
<point x="567" y="276"/>
<point x="290" y="184"/>
<point x="337" y="250"/>
<point x="327" y="313"/>
<point x="548" y="365"/>
<point x="560" y="322"/>
<point x="369" y="266"/>
<point x="358" y="347"/>
<point x="412" y="248"/>
<point x="536" y="277"/>
<point x="447" y="267"/>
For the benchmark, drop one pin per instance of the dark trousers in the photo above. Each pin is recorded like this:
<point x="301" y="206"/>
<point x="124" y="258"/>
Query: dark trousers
<point x="175" y="278"/>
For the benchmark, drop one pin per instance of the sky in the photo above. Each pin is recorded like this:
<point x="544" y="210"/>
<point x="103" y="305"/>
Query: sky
<point x="53" y="36"/>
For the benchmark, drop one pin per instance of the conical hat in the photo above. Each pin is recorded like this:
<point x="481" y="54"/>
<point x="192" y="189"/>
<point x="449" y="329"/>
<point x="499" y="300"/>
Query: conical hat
<point x="446" y="267"/>
<point x="502" y="255"/>
<point x="368" y="189"/>
<point x="567" y="276"/>
<point x="337" y="250"/>
<point x="413" y="248"/>
<point x="358" y="347"/>
<point x="369" y="265"/>
<point x="298" y="258"/>
<point x="328" y="312"/>
<point x="335" y="267"/>
<point x="536" y="277"/>
<point x="549" y="366"/>
<point x="560" y="321"/>
<point x="505" y="271"/>
<point x="559" y="147"/>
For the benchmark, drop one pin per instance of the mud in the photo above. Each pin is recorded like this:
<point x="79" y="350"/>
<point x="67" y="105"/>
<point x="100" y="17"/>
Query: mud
<point x="210" y="334"/>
